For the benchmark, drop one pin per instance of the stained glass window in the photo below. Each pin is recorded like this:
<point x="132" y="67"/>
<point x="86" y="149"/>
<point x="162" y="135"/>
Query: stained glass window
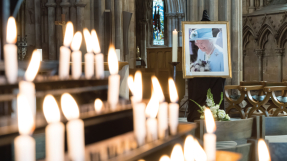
<point x="158" y="22"/>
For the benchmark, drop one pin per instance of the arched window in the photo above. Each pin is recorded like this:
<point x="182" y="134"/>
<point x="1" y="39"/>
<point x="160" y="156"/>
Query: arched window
<point x="158" y="22"/>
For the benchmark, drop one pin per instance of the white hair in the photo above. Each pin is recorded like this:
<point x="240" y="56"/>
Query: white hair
<point x="213" y="41"/>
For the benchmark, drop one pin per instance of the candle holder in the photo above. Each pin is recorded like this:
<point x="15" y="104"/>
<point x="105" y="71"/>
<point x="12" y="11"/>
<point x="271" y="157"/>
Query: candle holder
<point x="174" y="64"/>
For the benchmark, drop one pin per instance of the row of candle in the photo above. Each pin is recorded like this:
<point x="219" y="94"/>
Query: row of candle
<point x="194" y="152"/>
<point x="146" y="125"/>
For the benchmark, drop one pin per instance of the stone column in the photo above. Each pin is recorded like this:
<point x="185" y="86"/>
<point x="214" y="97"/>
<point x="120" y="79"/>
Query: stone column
<point x="118" y="24"/>
<point x="261" y="4"/>
<point x="38" y="38"/>
<point x="51" y="29"/>
<point x="65" y="9"/>
<point x="169" y="29"/>
<point x="192" y="10"/>
<point x="251" y="6"/>
<point x="92" y="15"/>
<point x="260" y="54"/>
<point x="213" y="10"/>
<point x="73" y="14"/>
<point x="143" y="55"/>
<point x="80" y="4"/>
<point x="201" y="9"/>
<point x="99" y="21"/>
<point x="180" y="18"/>
<point x="280" y="53"/>
<point x="243" y="63"/>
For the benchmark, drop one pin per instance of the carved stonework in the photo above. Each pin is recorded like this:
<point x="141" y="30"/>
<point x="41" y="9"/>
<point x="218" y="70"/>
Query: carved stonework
<point x="259" y="53"/>
<point x="280" y="52"/>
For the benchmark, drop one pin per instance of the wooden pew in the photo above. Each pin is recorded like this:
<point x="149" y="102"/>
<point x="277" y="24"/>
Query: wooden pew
<point x="245" y="132"/>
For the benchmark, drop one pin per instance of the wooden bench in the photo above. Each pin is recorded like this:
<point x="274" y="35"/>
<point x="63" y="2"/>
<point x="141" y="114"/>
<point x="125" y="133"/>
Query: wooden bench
<point x="245" y="132"/>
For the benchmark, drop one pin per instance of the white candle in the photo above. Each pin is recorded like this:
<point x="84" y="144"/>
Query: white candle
<point x="164" y="158"/>
<point x="24" y="144"/>
<point x="76" y="56"/>
<point x="75" y="128"/>
<point x="162" y="120"/>
<point x="139" y="122"/>
<point x="41" y="54"/>
<point x="151" y="112"/>
<point x="54" y="133"/>
<point x="118" y="51"/>
<point x="27" y="87"/>
<point x="209" y="139"/>
<point x="89" y="57"/>
<point x="99" y="57"/>
<point x="174" y="45"/>
<point x="98" y="105"/>
<point x="114" y="79"/>
<point x="173" y="107"/>
<point x="65" y="52"/>
<point x="263" y="152"/>
<point x="10" y="52"/>
<point x="177" y="153"/>
<point x="189" y="148"/>
<point x="199" y="153"/>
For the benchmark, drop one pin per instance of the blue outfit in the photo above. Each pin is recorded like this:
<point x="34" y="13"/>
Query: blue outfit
<point x="215" y="61"/>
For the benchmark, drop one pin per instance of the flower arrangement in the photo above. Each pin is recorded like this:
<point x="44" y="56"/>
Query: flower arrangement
<point x="218" y="114"/>
<point x="200" y="66"/>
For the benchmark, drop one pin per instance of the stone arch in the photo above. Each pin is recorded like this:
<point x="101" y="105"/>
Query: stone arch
<point x="263" y="35"/>
<point x="246" y="38"/>
<point x="250" y="60"/>
<point x="248" y="28"/>
<point x="282" y="32"/>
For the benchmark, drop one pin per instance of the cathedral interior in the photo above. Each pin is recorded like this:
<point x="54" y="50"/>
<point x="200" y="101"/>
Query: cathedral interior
<point x="168" y="42"/>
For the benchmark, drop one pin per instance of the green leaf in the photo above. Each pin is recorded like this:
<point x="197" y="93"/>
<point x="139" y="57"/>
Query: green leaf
<point x="199" y="111"/>
<point x="197" y="104"/>
<point x="221" y="98"/>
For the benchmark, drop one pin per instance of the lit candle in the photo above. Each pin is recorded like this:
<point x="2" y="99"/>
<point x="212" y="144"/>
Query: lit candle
<point x="75" y="128"/>
<point x="263" y="152"/>
<point x="164" y="158"/>
<point x="151" y="112"/>
<point x="24" y="144"/>
<point x="199" y="154"/>
<point x="189" y="148"/>
<point x="162" y="111"/>
<point x="173" y="107"/>
<point x="89" y="57"/>
<point x="55" y="131"/>
<point x="98" y="105"/>
<point x="177" y="154"/>
<point x="10" y="52"/>
<point x="139" y="120"/>
<point x="27" y="87"/>
<point x="65" y="52"/>
<point x="76" y="56"/>
<point x="99" y="57"/>
<point x="174" y="45"/>
<point x="209" y="138"/>
<point x="114" y="79"/>
<point x="118" y="51"/>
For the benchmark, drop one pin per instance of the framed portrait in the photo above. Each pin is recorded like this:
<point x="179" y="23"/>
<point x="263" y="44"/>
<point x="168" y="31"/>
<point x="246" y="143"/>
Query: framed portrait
<point x="206" y="49"/>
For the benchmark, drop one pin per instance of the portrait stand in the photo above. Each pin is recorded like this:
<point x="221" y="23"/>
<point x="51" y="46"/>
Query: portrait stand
<point x="174" y="64"/>
<point x="197" y="89"/>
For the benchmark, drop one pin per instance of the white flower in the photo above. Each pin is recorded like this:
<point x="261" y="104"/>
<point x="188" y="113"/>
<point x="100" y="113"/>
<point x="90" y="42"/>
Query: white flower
<point x="227" y="117"/>
<point x="204" y="107"/>
<point x="217" y="106"/>
<point x="209" y="102"/>
<point x="213" y="109"/>
<point x="221" y="114"/>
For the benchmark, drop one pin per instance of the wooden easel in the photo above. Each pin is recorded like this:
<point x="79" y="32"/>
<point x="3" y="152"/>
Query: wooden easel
<point x="62" y="23"/>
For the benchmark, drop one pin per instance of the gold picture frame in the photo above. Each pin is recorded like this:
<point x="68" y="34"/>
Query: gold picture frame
<point x="224" y="25"/>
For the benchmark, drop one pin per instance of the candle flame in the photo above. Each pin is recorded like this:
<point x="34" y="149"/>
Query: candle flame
<point x="152" y="106"/>
<point x="209" y="121"/>
<point x="69" y="34"/>
<point x="88" y="40"/>
<point x="26" y="124"/>
<point x="51" y="109"/>
<point x="11" y="31"/>
<point x="157" y="88"/>
<point x="177" y="153"/>
<point x="189" y="148"/>
<point x="77" y="41"/>
<point x="98" y="105"/>
<point x="113" y="61"/>
<point x="172" y="91"/>
<point x="131" y="83"/>
<point x="263" y="153"/>
<point x="199" y="153"/>
<point x="69" y="107"/>
<point x="33" y="67"/>
<point x="164" y="158"/>
<point x="95" y="41"/>
<point x="138" y="89"/>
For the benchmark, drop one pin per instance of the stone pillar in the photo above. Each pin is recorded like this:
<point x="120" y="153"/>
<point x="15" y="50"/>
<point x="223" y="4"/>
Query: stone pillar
<point x="99" y="21"/>
<point x="280" y="53"/>
<point x="192" y="10"/>
<point x="59" y="29"/>
<point x="213" y="10"/>
<point x="251" y="6"/>
<point x="51" y="29"/>
<point x="73" y="14"/>
<point x="143" y="40"/>
<point x="261" y="4"/>
<point x="38" y="38"/>
<point x="260" y="54"/>
<point x="80" y="4"/>
<point x="169" y="29"/>
<point x="118" y="24"/>
<point x="201" y="9"/>
<point x="65" y="9"/>
<point x="92" y="14"/>
<point x="180" y="18"/>
<point x="243" y="63"/>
